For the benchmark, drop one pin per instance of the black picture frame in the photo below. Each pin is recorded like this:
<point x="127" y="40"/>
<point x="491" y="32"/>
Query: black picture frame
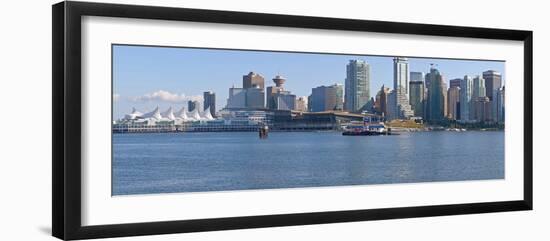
<point x="66" y="127"/>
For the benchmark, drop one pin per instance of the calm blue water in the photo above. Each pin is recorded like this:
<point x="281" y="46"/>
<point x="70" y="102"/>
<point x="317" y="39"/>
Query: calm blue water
<point x="195" y="162"/>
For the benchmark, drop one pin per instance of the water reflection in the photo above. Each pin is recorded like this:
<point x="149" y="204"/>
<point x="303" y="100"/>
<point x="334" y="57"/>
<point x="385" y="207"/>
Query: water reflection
<point x="191" y="162"/>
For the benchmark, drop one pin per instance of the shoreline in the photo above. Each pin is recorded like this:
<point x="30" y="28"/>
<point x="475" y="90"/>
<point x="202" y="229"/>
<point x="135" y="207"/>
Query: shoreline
<point x="309" y="131"/>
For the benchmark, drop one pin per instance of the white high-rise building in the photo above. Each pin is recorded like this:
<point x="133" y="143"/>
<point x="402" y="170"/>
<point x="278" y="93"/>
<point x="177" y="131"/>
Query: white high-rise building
<point x="401" y="87"/>
<point x="466" y="92"/>
<point x="401" y="75"/>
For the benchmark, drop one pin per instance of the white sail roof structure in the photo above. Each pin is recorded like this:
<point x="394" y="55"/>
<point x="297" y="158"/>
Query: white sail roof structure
<point x="132" y="116"/>
<point x="155" y="114"/>
<point x="168" y="114"/>
<point x="182" y="115"/>
<point x="194" y="115"/>
<point x="206" y="115"/>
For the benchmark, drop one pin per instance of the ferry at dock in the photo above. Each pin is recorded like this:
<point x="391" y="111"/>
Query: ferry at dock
<point x="367" y="128"/>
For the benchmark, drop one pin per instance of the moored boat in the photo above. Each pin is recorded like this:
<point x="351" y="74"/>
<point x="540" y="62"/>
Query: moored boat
<point x="367" y="130"/>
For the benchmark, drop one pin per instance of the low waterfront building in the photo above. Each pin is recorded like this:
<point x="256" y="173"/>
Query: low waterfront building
<point x="235" y="120"/>
<point x="314" y="121"/>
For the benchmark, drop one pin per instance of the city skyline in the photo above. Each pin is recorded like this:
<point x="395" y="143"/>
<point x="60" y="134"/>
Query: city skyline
<point x="147" y="77"/>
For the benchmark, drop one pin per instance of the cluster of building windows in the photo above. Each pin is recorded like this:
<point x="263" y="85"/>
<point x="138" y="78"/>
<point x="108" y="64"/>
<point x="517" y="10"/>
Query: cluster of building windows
<point x="415" y="95"/>
<point x="470" y="99"/>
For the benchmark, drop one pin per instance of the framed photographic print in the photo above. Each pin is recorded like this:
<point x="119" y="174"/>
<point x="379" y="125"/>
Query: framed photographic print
<point x="169" y="120"/>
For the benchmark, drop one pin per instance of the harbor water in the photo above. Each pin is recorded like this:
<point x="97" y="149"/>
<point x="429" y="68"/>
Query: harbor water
<point x="196" y="162"/>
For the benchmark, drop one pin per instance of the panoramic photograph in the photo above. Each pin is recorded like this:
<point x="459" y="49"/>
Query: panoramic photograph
<point x="202" y="119"/>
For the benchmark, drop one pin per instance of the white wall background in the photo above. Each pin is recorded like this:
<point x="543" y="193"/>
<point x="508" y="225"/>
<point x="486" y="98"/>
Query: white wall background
<point x="25" y="143"/>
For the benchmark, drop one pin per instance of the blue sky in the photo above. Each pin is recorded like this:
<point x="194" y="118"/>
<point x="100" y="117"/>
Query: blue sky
<point x="146" y="77"/>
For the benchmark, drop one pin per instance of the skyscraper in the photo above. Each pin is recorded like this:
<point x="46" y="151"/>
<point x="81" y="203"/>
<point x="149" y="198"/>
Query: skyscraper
<point x="382" y="100"/>
<point x="493" y="81"/>
<point x="325" y="98"/>
<point x="416" y="96"/>
<point x="482" y="107"/>
<point x="391" y="105"/>
<point x="309" y="102"/>
<point x="436" y="96"/>
<point x="401" y="75"/>
<point x="253" y="83"/>
<point x="192" y="105"/>
<point x="445" y="99"/>
<point x="453" y="103"/>
<point x="401" y="86"/>
<point x="455" y="83"/>
<point x="417" y="76"/>
<point x="237" y="98"/>
<point x="498" y="105"/>
<point x="255" y="98"/>
<point x="339" y="96"/>
<point x="357" y="85"/>
<point x="479" y="87"/>
<point x="210" y="102"/>
<point x="253" y="79"/>
<point x="466" y="91"/>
